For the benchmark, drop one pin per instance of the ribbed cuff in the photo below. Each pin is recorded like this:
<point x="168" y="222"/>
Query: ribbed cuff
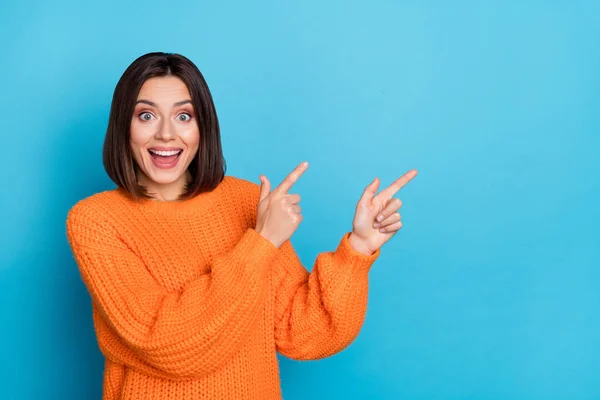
<point x="259" y="246"/>
<point x="353" y="257"/>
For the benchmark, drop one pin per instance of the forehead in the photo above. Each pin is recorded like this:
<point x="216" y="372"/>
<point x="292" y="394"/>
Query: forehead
<point x="168" y="89"/>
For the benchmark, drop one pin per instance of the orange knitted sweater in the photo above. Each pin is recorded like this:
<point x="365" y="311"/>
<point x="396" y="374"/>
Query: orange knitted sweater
<point x="190" y="302"/>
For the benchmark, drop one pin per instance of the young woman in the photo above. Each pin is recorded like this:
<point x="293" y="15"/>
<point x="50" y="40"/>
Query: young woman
<point x="194" y="282"/>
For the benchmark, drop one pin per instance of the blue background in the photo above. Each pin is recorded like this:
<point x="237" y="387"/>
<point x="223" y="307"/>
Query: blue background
<point x="491" y="289"/>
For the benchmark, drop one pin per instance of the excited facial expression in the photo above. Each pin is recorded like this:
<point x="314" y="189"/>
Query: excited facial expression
<point x="164" y="134"/>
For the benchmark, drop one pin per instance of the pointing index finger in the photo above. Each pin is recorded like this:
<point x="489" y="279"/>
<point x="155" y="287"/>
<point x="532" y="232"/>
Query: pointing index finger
<point x="293" y="176"/>
<point x="399" y="183"/>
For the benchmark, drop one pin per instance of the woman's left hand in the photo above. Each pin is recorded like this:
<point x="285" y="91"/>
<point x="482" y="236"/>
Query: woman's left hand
<point x="377" y="218"/>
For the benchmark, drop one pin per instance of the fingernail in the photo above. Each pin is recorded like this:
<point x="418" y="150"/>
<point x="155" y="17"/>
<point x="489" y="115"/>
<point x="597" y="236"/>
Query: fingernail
<point x="376" y="225"/>
<point x="380" y="218"/>
<point x="382" y="230"/>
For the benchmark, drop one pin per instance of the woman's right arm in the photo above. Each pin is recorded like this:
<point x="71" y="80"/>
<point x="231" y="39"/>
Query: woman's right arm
<point x="188" y="333"/>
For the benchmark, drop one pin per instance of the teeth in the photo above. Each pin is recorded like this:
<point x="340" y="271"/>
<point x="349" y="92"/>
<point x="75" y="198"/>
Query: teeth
<point x="165" y="153"/>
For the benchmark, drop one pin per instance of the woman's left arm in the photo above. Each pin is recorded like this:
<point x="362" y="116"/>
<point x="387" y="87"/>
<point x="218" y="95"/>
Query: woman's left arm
<point x="320" y="313"/>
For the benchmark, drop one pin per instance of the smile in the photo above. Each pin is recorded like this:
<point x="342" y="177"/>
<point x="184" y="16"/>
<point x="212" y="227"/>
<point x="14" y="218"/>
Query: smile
<point x="165" y="159"/>
<point x="163" y="153"/>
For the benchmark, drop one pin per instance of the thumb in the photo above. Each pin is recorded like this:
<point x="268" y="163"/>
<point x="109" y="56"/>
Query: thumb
<point x="370" y="190"/>
<point x="265" y="187"/>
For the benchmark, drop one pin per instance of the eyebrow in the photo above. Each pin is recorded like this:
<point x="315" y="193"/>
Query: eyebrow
<point x="179" y="103"/>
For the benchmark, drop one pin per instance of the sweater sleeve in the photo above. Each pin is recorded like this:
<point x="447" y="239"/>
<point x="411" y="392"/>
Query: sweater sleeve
<point x="187" y="333"/>
<point x="320" y="313"/>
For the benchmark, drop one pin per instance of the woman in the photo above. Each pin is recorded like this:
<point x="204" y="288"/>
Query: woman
<point x="194" y="282"/>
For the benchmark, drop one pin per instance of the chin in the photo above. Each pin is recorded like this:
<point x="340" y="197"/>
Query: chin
<point x="161" y="175"/>
<point x="162" y="179"/>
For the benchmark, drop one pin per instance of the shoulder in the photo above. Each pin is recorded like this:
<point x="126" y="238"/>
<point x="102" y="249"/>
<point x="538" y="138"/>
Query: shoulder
<point x="99" y="203"/>
<point x="245" y="190"/>
<point x="94" y="213"/>
<point x="243" y="195"/>
<point x="241" y="183"/>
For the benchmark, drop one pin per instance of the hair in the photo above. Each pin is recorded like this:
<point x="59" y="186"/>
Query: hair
<point x="208" y="167"/>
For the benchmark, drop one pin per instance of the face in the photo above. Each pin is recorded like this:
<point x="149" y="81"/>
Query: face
<point x="164" y="134"/>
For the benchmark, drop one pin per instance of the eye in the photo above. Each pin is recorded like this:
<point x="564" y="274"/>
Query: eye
<point x="184" y="117"/>
<point x="146" y="116"/>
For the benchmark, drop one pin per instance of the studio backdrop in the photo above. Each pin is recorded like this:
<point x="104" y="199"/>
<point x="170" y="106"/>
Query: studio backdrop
<point x="491" y="290"/>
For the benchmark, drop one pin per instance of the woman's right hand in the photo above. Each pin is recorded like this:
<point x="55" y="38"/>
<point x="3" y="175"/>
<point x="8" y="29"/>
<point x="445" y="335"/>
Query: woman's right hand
<point x="278" y="213"/>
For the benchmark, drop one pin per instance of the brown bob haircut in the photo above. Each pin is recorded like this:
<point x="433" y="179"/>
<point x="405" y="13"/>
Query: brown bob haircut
<point x="208" y="167"/>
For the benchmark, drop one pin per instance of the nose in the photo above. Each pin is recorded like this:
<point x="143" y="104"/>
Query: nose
<point x="166" y="131"/>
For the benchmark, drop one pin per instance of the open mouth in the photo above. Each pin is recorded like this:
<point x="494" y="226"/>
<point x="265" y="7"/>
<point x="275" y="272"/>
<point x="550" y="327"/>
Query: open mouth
<point x="165" y="153"/>
<point x="165" y="158"/>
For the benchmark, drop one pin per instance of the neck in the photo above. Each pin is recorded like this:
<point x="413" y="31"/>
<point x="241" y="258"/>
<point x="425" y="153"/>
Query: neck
<point x="165" y="192"/>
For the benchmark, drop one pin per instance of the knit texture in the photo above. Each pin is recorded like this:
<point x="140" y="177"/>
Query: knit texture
<point x="190" y="302"/>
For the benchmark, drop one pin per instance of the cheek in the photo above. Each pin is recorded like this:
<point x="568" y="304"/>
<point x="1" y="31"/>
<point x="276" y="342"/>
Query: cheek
<point x="191" y="137"/>
<point x="138" y="135"/>
<point x="137" y="141"/>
